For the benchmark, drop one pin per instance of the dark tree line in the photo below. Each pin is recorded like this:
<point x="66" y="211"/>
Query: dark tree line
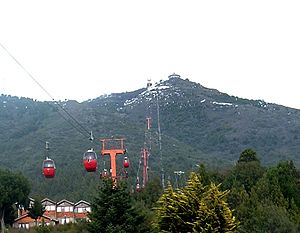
<point x="264" y="199"/>
<point x="14" y="191"/>
<point x="246" y="198"/>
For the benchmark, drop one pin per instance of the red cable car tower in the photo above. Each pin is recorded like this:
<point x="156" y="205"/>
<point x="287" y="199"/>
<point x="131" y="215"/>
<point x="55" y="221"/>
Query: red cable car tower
<point x="113" y="148"/>
<point x="145" y="153"/>
<point x="145" y="156"/>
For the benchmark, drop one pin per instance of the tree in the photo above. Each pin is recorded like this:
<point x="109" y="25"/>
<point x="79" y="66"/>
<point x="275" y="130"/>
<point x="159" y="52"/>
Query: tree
<point x="195" y="208"/>
<point x="151" y="193"/>
<point x="289" y="181"/>
<point x="209" y="176"/>
<point x="113" y="210"/>
<point x="246" y="172"/>
<point x="36" y="210"/>
<point x="10" y="215"/>
<point x="42" y="228"/>
<point x="272" y="203"/>
<point x="267" y="218"/>
<point x="248" y="155"/>
<point x="14" y="189"/>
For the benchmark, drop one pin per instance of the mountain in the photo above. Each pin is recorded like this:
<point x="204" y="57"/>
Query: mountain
<point x="198" y="125"/>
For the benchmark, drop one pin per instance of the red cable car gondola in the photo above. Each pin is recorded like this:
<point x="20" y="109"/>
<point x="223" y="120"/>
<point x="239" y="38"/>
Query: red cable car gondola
<point x="104" y="174"/>
<point x="137" y="185"/>
<point x="49" y="168"/>
<point x="126" y="162"/>
<point x="90" y="160"/>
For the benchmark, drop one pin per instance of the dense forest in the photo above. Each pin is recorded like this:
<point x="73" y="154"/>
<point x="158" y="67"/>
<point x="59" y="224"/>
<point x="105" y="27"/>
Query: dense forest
<point x="248" y="197"/>
<point x="198" y="126"/>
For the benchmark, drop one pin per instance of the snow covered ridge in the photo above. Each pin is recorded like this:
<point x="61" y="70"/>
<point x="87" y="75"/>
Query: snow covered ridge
<point x="148" y="94"/>
<point x="161" y="87"/>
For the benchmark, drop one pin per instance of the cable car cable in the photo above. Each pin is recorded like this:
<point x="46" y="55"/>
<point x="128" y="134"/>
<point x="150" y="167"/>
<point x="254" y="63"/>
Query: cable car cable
<point x="26" y="71"/>
<point x="35" y="80"/>
<point x="82" y="127"/>
<point x="160" y="145"/>
<point x="72" y="124"/>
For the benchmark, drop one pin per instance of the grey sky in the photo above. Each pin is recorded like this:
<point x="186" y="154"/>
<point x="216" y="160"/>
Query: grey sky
<point x="83" y="49"/>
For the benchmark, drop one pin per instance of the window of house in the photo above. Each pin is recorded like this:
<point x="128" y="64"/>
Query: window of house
<point x="50" y="207"/>
<point x="65" y="220"/>
<point x="59" y="209"/>
<point x="24" y="225"/>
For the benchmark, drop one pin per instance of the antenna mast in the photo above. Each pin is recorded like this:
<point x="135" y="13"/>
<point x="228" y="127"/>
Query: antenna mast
<point x="160" y="146"/>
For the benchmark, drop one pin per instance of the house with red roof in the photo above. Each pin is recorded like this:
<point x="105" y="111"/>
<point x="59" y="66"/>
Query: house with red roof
<point x="26" y="222"/>
<point x="65" y="211"/>
<point x="61" y="212"/>
<point x="50" y="207"/>
<point x="81" y="210"/>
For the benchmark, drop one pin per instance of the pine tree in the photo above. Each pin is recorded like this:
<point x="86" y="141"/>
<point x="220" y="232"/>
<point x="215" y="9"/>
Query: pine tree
<point x="248" y="155"/>
<point x="195" y="208"/>
<point x="246" y="173"/>
<point x="36" y="210"/>
<point x="113" y="211"/>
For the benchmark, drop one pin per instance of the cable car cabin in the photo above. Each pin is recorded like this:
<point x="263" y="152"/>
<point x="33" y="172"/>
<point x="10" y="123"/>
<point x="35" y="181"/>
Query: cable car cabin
<point x="48" y="168"/>
<point x="90" y="161"/>
<point x="138" y="187"/>
<point x="126" y="162"/>
<point x="104" y="174"/>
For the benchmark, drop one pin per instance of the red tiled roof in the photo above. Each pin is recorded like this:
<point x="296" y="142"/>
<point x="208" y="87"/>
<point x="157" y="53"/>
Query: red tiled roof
<point x="65" y="214"/>
<point x="27" y="219"/>
<point x="81" y="215"/>
<point x="53" y="215"/>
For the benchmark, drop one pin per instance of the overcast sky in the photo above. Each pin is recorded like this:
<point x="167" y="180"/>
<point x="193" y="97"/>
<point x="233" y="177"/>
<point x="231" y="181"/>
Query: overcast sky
<point x="83" y="49"/>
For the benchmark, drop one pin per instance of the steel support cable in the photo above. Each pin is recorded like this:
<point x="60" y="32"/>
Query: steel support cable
<point x="147" y="138"/>
<point x="31" y="76"/>
<point x="139" y="167"/>
<point x="74" y="119"/>
<point x="71" y="123"/>
<point x="132" y="168"/>
<point x="160" y="145"/>
<point x="27" y="72"/>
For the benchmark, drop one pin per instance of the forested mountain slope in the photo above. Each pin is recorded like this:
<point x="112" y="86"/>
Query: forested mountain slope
<point x="198" y="125"/>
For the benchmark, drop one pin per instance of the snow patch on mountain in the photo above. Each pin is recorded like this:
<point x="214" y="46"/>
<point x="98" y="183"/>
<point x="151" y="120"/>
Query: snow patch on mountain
<point x="224" y="104"/>
<point x="148" y="94"/>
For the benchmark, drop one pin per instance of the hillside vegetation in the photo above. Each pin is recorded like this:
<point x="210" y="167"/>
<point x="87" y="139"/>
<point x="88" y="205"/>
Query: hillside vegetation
<point x="198" y="125"/>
